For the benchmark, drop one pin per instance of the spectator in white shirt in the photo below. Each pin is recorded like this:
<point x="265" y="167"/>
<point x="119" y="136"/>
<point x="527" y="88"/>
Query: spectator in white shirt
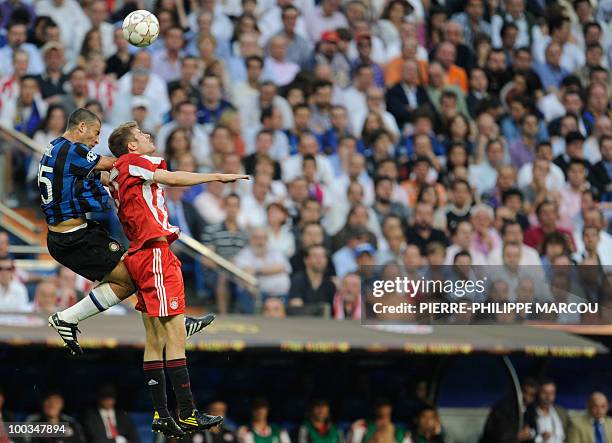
<point x="122" y="107"/>
<point x="222" y="27"/>
<point x="272" y="120"/>
<point x="253" y="207"/>
<point x="156" y="89"/>
<point x="269" y="96"/>
<point x="25" y="111"/>
<point x="13" y="294"/>
<point x="271" y="22"/>
<point x="325" y="17"/>
<point x="593" y="216"/>
<point x="337" y="216"/>
<point x="354" y="97"/>
<point x="584" y="15"/>
<point x="167" y="61"/>
<point x="356" y="171"/>
<point x="248" y="45"/>
<point x="483" y="176"/>
<point x="245" y="93"/>
<point x="299" y="49"/>
<point x="276" y="66"/>
<point x="512" y="232"/>
<point x="551" y="422"/>
<point x="375" y="102"/>
<point x="271" y="267"/>
<point x="265" y="97"/>
<point x="292" y="167"/>
<point x="72" y="21"/>
<point x="568" y="123"/>
<point x="407" y="44"/>
<point x="185" y="117"/>
<point x="98" y="15"/>
<point x="555" y="177"/>
<point x="280" y="236"/>
<point x="462" y="241"/>
<point x="513" y="12"/>
<point x="101" y="87"/>
<point x="592" y="145"/>
<point x="388" y="168"/>
<point x="209" y="203"/>
<point x="9" y="84"/>
<point x="46" y="298"/>
<point x="572" y="57"/>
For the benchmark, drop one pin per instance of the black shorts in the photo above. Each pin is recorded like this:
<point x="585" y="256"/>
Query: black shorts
<point x="90" y="252"/>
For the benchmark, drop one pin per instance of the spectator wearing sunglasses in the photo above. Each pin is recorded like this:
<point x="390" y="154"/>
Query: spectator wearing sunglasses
<point x="13" y="294"/>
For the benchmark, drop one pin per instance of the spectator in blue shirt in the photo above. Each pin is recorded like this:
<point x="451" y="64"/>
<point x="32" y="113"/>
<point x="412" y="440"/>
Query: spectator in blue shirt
<point x="338" y="118"/>
<point x="213" y="104"/>
<point x="301" y="124"/>
<point x="510" y="125"/>
<point x="551" y="73"/>
<point x="364" y="48"/>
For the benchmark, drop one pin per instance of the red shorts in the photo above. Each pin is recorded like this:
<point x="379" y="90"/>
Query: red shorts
<point x="156" y="272"/>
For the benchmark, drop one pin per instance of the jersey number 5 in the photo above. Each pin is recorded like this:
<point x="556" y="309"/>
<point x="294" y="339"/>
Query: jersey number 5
<point x="45" y="181"/>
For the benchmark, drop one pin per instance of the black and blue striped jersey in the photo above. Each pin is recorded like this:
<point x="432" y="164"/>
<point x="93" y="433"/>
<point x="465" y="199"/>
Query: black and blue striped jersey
<point x="69" y="186"/>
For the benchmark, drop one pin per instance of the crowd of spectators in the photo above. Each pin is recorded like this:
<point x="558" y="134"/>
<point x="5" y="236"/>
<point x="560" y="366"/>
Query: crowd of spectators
<point x="44" y="293"/>
<point x="542" y="420"/>
<point x="375" y="132"/>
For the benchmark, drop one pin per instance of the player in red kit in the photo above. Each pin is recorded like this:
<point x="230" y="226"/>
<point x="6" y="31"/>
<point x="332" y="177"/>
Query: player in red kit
<point x="137" y="185"/>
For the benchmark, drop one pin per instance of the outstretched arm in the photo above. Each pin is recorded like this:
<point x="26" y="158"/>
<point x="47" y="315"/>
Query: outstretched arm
<point x="105" y="163"/>
<point x="182" y="178"/>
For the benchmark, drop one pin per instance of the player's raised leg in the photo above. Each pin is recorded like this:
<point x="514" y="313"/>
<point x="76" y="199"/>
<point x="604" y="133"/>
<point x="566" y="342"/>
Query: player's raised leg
<point x="117" y="287"/>
<point x="94" y="254"/>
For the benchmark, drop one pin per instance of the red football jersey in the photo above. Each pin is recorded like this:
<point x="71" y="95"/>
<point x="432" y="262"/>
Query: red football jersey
<point x="140" y="202"/>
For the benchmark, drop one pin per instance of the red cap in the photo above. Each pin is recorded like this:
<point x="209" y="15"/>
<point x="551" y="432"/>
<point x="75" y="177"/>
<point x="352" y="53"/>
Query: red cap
<point x="330" y="36"/>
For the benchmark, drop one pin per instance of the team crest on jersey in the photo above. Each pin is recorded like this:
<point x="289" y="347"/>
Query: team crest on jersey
<point x="91" y="156"/>
<point x="113" y="246"/>
<point x="173" y="303"/>
<point x="48" y="151"/>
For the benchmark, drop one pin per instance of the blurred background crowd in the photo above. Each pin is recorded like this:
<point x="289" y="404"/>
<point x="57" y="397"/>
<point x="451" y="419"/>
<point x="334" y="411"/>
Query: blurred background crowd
<point x="418" y="421"/>
<point x="401" y="131"/>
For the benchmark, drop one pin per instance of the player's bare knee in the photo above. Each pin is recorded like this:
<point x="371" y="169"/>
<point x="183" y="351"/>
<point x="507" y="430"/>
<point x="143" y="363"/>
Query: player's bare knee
<point x="154" y="342"/>
<point x="174" y="330"/>
<point x="158" y="336"/>
<point x="120" y="278"/>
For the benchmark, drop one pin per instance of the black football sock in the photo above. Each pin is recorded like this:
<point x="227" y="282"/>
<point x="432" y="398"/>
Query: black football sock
<point x="179" y="377"/>
<point x="156" y="381"/>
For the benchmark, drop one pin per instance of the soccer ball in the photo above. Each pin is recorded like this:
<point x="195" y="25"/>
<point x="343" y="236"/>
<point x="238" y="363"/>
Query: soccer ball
<point x="140" y="28"/>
